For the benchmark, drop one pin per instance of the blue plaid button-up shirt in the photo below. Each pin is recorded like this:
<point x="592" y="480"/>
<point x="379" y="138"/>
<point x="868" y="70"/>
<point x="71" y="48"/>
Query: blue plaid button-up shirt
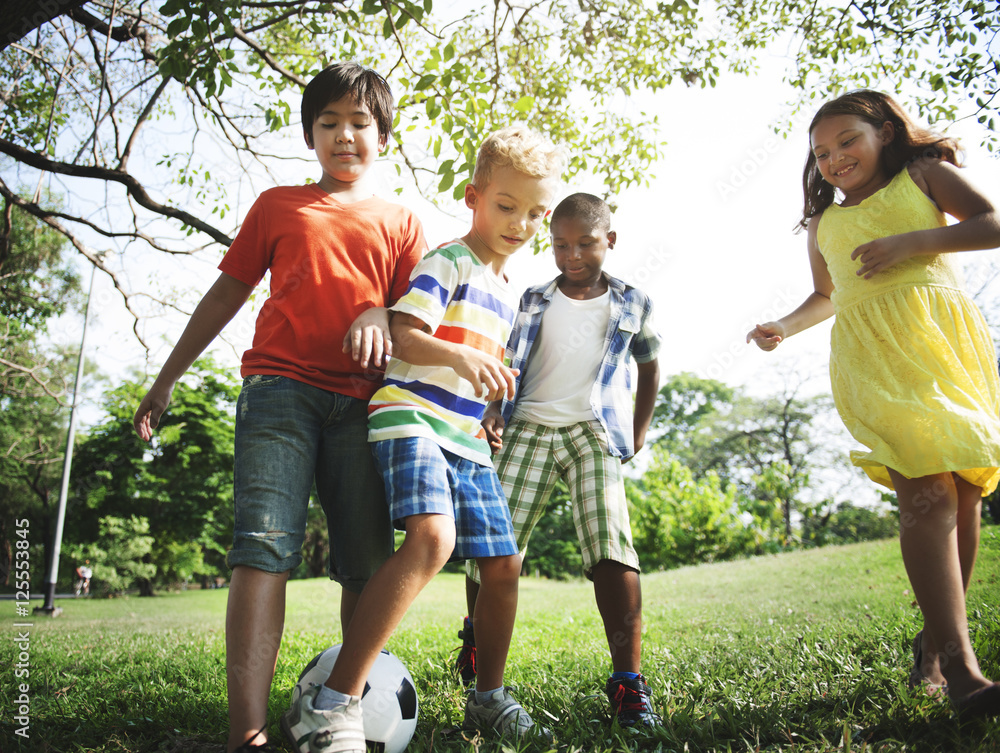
<point x="630" y="333"/>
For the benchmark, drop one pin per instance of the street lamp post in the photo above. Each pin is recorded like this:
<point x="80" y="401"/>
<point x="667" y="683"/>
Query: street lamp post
<point x="50" y="584"/>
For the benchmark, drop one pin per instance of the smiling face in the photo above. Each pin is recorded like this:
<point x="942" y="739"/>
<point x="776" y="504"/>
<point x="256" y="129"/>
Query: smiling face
<point x="579" y="248"/>
<point x="506" y="213"/>
<point x="848" y="152"/>
<point x="346" y="139"/>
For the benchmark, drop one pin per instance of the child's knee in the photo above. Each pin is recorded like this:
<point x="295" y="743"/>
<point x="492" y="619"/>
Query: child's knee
<point x="430" y="538"/>
<point x="497" y="570"/>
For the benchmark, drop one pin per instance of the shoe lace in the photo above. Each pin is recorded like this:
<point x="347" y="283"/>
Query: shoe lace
<point x="631" y="699"/>
<point x="466" y="657"/>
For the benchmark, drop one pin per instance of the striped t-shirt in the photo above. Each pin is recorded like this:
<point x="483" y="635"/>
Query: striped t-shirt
<point x="461" y="301"/>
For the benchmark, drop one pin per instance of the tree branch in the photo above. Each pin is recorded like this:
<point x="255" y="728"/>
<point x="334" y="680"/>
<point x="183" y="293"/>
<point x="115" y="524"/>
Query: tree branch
<point x="134" y="187"/>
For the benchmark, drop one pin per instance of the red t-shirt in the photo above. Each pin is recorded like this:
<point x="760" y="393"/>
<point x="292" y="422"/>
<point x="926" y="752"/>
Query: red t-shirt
<point x="329" y="262"/>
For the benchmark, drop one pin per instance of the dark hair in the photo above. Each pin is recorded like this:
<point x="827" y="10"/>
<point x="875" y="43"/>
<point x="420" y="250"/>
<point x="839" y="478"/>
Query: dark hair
<point x="586" y="207"/>
<point x="909" y="142"/>
<point x="348" y="79"/>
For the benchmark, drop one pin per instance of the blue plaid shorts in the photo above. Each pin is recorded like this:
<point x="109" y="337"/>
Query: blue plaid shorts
<point x="421" y="477"/>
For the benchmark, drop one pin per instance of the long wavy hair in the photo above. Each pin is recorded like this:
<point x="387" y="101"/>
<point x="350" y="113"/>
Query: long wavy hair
<point x="909" y="142"/>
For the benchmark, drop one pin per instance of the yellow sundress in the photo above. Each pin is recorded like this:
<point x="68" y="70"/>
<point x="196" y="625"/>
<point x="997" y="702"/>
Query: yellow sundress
<point x="912" y="364"/>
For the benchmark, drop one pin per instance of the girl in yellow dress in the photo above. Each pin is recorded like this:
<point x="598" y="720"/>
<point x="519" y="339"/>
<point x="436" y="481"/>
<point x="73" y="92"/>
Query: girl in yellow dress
<point x="912" y="365"/>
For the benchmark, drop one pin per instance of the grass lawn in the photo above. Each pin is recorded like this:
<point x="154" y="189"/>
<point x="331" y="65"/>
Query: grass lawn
<point x="805" y="651"/>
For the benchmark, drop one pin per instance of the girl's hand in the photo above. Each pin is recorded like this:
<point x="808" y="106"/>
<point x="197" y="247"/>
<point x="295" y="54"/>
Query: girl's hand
<point x="767" y="335"/>
<point x="369" y="338"/>
<point x="882" y="253"/>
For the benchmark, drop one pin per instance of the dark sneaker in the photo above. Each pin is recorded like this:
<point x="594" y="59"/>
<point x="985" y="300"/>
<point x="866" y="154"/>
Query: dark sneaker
<point x="465" y="662"/>
<point x="263" y="747"/>
<point x="502" y="714"/>
<point x="631" y="704"/>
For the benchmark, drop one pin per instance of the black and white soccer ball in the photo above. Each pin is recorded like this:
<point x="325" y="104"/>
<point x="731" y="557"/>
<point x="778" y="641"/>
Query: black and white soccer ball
<point x="389" y="702"/>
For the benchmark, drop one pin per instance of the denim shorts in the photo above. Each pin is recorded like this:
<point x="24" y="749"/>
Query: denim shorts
<point x="288" y="435"/>
<point x="421" y="477"/>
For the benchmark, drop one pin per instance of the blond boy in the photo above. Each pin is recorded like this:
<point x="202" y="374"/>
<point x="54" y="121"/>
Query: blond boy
<point x="449" y="332"/>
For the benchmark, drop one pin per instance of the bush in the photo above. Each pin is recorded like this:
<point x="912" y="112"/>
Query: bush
<point x="678" y="520"/>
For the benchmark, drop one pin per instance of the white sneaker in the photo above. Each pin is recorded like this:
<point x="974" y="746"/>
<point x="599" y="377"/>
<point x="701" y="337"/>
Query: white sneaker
<point x="502" y="714"/>
<point x="313" y="730"/>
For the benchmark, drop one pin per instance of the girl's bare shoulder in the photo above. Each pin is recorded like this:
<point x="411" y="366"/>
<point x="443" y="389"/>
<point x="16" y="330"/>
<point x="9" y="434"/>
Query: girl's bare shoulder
<point x="928" y="171"/>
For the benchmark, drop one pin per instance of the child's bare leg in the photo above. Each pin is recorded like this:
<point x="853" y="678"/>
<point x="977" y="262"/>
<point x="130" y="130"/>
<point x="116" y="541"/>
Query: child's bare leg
<point x="429" y="542"/>
<point x="255" y="618"/>
<point x="928" y="537"/>
<point x="493" y="618"/>
<point x="348" y="603"/>
<point x="970" y="502"/>
<point x="967" y="531"/>
<point x="471" y="595"/>
<point x="619" y="600"/>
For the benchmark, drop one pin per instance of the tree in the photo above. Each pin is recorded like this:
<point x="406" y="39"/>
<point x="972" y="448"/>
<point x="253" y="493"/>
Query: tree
<point x="36" y="286"/>
<point x="683" y="404"/>
<point x="764" y="447"/>
<point x="180" y="484"/>
<point x="92" y="90"/>
<point x="678" y="520"/>
<point x="119" y="554"/>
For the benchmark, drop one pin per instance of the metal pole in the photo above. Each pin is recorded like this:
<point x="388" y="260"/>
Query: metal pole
<point x="50" y="585"/>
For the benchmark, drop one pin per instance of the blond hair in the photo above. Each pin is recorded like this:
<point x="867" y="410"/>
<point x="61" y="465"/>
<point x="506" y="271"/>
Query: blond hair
<point x="520" y="147"/>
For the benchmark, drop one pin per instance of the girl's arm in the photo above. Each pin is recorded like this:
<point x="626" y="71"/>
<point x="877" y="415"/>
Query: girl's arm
<point x="978" y="225"/>
<point x="219" y="305"/>
<point x="815" y="309"/>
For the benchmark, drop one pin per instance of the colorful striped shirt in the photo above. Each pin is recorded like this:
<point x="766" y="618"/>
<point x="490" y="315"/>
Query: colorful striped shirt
<point x="461" y="301"/>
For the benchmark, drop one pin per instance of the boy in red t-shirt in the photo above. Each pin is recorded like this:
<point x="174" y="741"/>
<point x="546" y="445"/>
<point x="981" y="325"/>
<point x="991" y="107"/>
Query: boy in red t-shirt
<point x="338" y="256"/>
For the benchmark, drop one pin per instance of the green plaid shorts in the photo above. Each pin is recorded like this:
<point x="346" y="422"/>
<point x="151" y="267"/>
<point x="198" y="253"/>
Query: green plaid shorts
<point x="534" y="457"/>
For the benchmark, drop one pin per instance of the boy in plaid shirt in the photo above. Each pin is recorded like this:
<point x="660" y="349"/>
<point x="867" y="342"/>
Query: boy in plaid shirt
<point x="572" y="418"/>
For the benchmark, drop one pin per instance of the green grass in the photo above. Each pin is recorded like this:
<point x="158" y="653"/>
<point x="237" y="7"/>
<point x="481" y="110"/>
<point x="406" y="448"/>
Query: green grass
<point x="806" y="651"/>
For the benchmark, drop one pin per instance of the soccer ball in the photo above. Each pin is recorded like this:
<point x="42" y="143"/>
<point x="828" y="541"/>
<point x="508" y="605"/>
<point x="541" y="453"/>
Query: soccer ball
<point x="388" y="703"/>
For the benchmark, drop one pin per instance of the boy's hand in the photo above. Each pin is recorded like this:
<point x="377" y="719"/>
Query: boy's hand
<point x="767" y="335"/>
<point x="147" y="417"/>
<point x="368" y="338"/>
<point x="494" y="425"/>
<point x="489" y="376"/>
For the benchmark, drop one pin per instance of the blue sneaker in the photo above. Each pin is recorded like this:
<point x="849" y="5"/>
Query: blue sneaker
<point x="631" y="704"/>
<point x="465" y="662"/>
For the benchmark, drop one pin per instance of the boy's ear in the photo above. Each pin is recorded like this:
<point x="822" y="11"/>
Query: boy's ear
<point x="308" y="137"/>
<point x="470" y="196"/>
<point x="612" y="238"/>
